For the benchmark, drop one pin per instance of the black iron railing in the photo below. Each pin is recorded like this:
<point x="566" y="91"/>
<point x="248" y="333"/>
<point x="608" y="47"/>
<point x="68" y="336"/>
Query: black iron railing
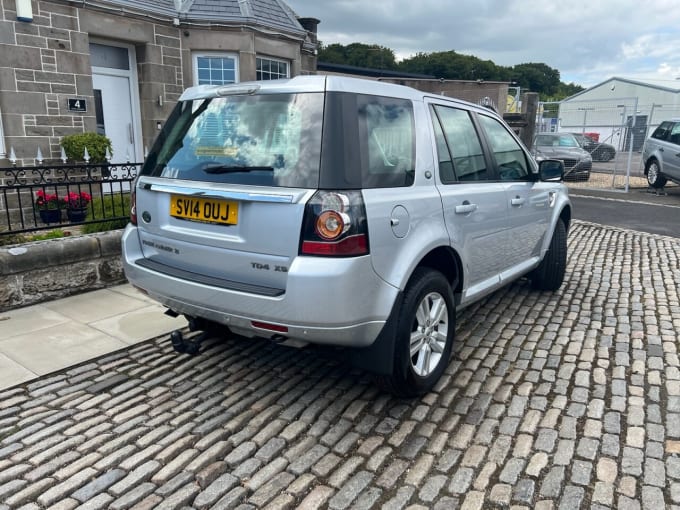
<point x="34" y="198"/>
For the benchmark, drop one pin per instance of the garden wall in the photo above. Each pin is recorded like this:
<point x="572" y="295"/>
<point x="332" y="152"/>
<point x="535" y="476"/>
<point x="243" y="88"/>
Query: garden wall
<point x="44" y="270"/>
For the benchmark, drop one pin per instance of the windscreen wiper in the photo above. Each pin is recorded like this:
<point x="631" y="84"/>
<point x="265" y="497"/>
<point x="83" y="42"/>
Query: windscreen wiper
<point x="225" y="169"/>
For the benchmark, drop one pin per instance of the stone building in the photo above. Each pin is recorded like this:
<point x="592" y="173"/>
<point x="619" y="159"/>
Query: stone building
<point x="119" y="66"/>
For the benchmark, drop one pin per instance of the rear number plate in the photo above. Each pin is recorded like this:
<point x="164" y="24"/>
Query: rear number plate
<point x="212" y="210"/>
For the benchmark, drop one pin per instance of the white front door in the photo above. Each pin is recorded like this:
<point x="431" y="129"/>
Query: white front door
<point x="117" y="115"/>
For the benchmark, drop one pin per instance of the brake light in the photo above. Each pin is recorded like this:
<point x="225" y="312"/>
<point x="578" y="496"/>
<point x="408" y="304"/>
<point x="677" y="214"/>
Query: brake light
<point x="334" y="225"/>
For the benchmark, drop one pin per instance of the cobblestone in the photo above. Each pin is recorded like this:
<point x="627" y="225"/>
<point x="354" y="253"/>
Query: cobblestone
<point x="551" y="401"/>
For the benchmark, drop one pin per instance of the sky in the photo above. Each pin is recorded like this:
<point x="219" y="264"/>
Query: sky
<point x="588" y="42"/>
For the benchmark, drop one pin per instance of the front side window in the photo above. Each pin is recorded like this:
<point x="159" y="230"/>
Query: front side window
<point x="267" y="140"/>
<point x="271" y="69"/>
<point x="510" y="158"/>
<point x="463" y="143"/>
<point x="215" y="69"/>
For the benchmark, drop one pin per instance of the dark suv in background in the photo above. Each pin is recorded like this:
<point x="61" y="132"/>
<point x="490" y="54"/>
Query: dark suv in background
<point x="598" y="151"/>
<point x="661" y="154"/>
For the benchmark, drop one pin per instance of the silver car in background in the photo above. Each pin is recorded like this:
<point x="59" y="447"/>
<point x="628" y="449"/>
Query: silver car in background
<point x="344" y="212"/>
<point x="661" y="154"/>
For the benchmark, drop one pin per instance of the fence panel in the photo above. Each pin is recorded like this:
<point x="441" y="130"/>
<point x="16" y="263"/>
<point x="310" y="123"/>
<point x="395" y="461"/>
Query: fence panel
<point x="34" y="198"/>
<point x="611" y="130"/>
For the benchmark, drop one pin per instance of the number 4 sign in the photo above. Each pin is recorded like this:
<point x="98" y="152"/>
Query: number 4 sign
<point x="77" y="104"/>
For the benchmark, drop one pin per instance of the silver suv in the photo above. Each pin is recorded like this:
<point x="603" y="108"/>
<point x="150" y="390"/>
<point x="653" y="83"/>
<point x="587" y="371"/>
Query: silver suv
<point x="661" y="154"/>
<point x="343" y="212"/>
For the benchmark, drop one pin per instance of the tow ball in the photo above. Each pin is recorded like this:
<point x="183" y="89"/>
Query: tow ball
<point x="191" y="347"/>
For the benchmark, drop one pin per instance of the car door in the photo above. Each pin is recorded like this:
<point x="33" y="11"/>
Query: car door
<point x="474" y="203"/>
<point x="528" y="200"/>
<point x="671" y="153"/>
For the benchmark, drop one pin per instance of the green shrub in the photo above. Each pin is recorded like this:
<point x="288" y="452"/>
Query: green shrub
<point x="74" y="146"/>
<point x="111" y="205"/>
<point x="52" y="234"/>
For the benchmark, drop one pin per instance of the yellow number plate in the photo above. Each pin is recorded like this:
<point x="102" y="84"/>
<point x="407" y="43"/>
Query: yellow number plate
<point x="212" y="210"/>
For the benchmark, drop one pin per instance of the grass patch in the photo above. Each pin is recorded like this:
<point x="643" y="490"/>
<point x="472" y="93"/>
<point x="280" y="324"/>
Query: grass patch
<point x="107" y="206"/>
<point x="27" y="238"/>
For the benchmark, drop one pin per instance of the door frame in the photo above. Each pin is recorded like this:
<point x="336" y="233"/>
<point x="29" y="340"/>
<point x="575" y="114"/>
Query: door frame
<point x="135" y="103"/>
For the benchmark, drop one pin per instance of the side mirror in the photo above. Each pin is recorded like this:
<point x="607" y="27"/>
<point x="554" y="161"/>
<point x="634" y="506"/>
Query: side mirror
<point x="551" y="170"/>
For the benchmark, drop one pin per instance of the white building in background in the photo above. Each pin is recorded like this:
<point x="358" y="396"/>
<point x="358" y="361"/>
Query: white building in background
<point x="617" y="109"/>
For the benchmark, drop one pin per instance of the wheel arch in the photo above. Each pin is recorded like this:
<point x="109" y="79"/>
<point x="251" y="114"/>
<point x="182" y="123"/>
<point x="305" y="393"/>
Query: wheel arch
<point x="378" y="357"/>
<point x="447" y="261"/>
<point x="565" y="216"/>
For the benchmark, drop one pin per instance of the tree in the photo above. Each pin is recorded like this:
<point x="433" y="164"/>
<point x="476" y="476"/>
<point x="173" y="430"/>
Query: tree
<point x="537" y="77"/>
<point x="449" y="65"/>
<point x="358" y="54"/>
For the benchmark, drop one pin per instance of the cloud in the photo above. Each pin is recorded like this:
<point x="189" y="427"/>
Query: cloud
<point x="586" y="41"/>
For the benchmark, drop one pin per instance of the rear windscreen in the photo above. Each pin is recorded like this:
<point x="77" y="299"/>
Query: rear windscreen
<point x="350" y="141"/>
<point x="268" y="140"/>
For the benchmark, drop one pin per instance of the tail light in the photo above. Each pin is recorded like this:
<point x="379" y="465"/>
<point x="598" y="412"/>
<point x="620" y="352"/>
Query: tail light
<point x="334" y="225"/>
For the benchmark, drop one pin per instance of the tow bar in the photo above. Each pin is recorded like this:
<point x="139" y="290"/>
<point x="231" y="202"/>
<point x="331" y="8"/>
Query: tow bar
<point x="191" y="347"/>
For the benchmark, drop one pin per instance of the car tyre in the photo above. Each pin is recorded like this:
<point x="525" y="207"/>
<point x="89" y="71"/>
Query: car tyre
<point x="608" y="155"/>
<point x="424" y="335"/>
<point x="654" y="176"/>
<point x="549" y="274"/>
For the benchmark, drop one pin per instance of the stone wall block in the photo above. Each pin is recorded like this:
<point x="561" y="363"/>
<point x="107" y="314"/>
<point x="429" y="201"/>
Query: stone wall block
<point x="55" y="282"/>
<point x="27" y="28"/>
<point x="6" y="32"/>
<point x="109" y="243"/>
<point x="80" y="42"/>
<point x="111" y="271"/>
<point x="10" y="293"/>
<point x="18" y="57"/>
<point x="54" y="8"/>
<point x="65" y="22"/>
<point x="7" y="80"/>
<point x="31" y="40"/>
<point x="70" y="63"/>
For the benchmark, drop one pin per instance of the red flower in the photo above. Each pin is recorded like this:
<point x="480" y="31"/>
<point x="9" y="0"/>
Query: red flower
<point x="78" y="200"/>
<point x="47" y="200"/>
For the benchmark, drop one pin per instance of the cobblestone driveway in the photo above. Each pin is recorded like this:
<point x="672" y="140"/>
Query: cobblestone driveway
<point x="550" y="401"/>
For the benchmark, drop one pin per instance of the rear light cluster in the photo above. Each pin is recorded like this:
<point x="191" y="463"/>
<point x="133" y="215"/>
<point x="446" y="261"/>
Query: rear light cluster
<point x="335" y="225"/>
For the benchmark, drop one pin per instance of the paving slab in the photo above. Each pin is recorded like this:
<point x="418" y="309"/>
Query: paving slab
<point x="61" y="346"/>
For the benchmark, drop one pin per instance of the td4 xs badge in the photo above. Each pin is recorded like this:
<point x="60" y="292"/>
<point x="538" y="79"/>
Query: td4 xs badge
<point x="267" y="267"/>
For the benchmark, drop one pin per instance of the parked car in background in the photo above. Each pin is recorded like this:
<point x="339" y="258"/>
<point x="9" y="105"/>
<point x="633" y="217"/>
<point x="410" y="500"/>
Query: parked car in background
<point x="344" y="212"/>
<point x="563" y="146"/>
<point x="598" y="151"/>
<point x="661" y="154"/>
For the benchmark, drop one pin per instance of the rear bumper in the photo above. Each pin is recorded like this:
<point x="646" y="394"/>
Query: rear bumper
<point x="339" y="301"/>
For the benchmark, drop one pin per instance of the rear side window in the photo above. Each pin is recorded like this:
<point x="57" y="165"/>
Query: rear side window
<point x="368" y="142"/>
<point x="269" y="140"/>
<point x="463" y="144"/>
<point x="663" y="131"/>
<point x="675" y="134"/>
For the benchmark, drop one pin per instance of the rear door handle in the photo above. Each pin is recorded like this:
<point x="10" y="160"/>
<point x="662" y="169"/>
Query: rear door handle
<point x="465" y="208"/>
<point x="517" y="201"/>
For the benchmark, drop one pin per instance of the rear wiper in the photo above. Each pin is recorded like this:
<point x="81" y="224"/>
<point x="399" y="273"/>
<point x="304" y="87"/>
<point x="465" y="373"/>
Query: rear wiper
<point x="225" y="169"/>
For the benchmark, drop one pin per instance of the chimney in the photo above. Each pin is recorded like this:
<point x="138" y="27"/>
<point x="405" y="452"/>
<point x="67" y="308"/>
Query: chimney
<point x="309" y="24"/>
